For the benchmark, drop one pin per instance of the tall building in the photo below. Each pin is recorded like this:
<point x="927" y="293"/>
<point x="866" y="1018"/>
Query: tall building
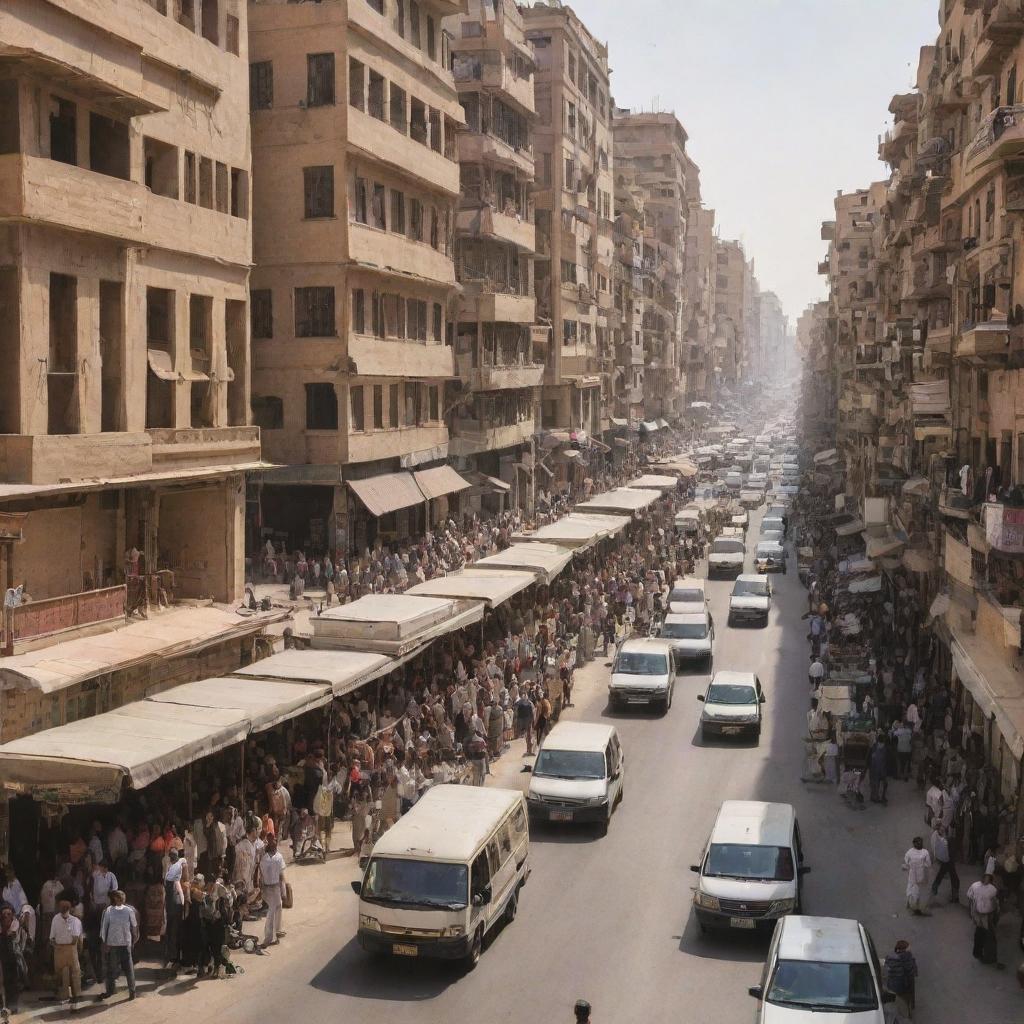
<point x="493" y="406"/>
<point x="772" y="334"/>
<point x="650" y="156"/>
<point x="125" y="248"/>
<point x="574" y="211"/>
<point x="730" y="313"/>
<point x="355" y="123"/>
<point x="698" y="291"/>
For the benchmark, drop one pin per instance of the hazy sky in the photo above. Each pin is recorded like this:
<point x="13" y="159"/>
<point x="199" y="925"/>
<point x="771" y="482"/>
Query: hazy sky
<point x="783" y="101"/>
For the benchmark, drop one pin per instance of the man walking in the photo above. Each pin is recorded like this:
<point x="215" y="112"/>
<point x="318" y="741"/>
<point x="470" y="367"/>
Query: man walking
<point x="174" y="906"/>
<point x="900" y="973"/>
<point x="272" y="882"/>
<point x="917" y="862"/>
<point x="904" y="746"/>
<point x="878" y="771"/>
<point x="119" y="931"/>
<point x="942" y="856"/>
<point x="983" y="899"/>
<point x="66" y="940"/>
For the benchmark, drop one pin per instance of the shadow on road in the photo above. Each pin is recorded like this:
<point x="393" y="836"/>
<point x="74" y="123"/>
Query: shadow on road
<point x="747" y="947"/>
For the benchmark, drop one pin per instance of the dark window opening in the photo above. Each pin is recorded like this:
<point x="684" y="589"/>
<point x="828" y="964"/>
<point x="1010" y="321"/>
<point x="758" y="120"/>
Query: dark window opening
<point x="321" y="407"/>
<point x="318" y="186"/>
<point x="232" y="30"/>
<point x="10" y="117"/>
<point x="378" y="407"/>
<point x="206" y="182"/>
<point x="63" y="131"/>
<point x="357" y="412"/>
<point x="358" y="311"/>
<point x="356" y="84"/>
<point x="186" y="13"/>
<point x="319" y="79"/>
<point x="108" y="147"/>
<point x="111" y="345"/>
<point x="236" y="351"/>
<point x="314" y="312"/>
<point x="211" y="21"/>
<point x="159" y="337"/>
<point x="202" y="405"/>
<point x="268" y="412"/>
<point x="62" y="368"/>
<point x="190" y="177"/>
<point x="375" y="96"/>
<point x="221" y="188"/>
<point x="200" y="332"/>
<point x="161" y="167"/>
<point x="239" y="193"/>
<point x="393" y="405"/>
<point x="262" y="313"/>
<point x="261" y="85"/>
<point x="397" y="212"/>
<point x="397" y="109"/>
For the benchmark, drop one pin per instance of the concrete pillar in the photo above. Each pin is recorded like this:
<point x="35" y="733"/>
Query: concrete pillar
<point x="89" y="362"/>
<point x="182" y="359"/>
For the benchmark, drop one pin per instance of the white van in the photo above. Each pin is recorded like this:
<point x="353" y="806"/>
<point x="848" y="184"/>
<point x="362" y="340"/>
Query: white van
<point x="578" y="774"/>
<point x="687" y="595"/>
<point x="751" y="868"/>
<point x="643" y="673"/>
<point x="445" y="873"/>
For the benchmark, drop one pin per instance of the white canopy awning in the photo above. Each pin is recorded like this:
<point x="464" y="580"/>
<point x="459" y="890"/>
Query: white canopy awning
<point x="848" y="527"/>
<point x="880" y="545"/>
<point x="488" y="585"/>
<point x="916" y="485"/>
<point x="388" y="492"/>
<point x="342" y="671"/>
<point x="826" y="456"/>
<point x="546" y="561"/>
<point x="622" y="501"/>
<point x="576" y="530"/>
<point x="650" y="481"/>
<point x="439" y="481"/>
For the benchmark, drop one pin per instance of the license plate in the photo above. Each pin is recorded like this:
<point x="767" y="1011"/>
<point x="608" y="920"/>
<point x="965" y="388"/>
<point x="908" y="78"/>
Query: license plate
<point x="741" y="922"/>
<point x="561" y="815"/>
<point x="728" y="730"/>
<point x="401" y="950"/>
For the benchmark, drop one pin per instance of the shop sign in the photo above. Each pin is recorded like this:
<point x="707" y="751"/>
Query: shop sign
<point x="1004" y="528"/>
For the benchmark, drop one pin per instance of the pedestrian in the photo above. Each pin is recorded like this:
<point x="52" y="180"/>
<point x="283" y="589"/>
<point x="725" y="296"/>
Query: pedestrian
<point x="174" y="907"/>
<point x="524" y="719"/>
<point x="582" y="1011"/>
<point x="13" y="969"/>
<point x="900" y="974"/>
<point x="878" y="771"/>
<point x="830" y="760"/>
<point x="119" y="931"/>
<point x="942" y="855"/>
<point x="66" y="941"/>
<point x="916" y="862"/>
<point x="815" y="675"/>
<point x="904" y="738"/>
<point x="983" y="899"/>
<point x="272" y="883"/>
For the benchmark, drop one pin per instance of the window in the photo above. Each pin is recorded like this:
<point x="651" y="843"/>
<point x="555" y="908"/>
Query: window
<point x="267" y="412"/>
<point x="438" y="322"/>
<point x="375" y="96"/>
<point x="378" y="406"/>
<point x="570" y="174"/>
<point x="431" y="39"/>
<point x="321" y="407"/>
<point x="393" y="405"/>
<point x="239" y="193"/>
<point x="221" y="188"/>
<point x="377" y="207"/>
<point x="108" y="146"/>
<point x="414" y="23"/>
<point x="190" y="177"/>
<point x="721" y="281"/>
<point x="206" y="182"/>
<point x="319" y="79"/>
<point x="377" y="5"/>
<point x="415" y="220"/>
<point x="63" y="131"/>
<point x="318" y="184"/>
<point x="358" y="311"/>
<point x="314" y="313"/>
<point x="570" y="330"/>
<point x="568" y="272"/>
<point x="261" y="312"/>
<point x="361" y="203"/>
<point x="231" y="27"/>
<point x="397" y="212"/>
<point x="161" y="167"/>
<point x="399" y="19"/>
<point x="396" y="106"/>
<point x="435" y="404"/>
<point x="356" y="411"/>
<point x="356" y="84"/>
<point x="210" y="21"/>
<point x="261" y="85"/>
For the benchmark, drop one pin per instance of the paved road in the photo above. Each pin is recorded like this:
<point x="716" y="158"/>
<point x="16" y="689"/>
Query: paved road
<point x="610" y="919"/>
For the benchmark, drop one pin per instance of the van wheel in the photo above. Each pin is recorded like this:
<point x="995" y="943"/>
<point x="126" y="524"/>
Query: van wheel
<point x="476" y="948"/>
<point x="511" y="907"/>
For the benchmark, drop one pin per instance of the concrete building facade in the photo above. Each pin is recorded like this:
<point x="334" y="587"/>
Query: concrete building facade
<point x="355" y="122"/>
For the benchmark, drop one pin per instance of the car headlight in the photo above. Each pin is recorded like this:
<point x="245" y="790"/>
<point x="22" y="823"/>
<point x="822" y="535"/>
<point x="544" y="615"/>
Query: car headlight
<point x="782" y="907"/>
<point x="453" y="931"/>
<point x="371" y="923"/>
<point x="702" y="899"/>
<point x="596" y="801"/>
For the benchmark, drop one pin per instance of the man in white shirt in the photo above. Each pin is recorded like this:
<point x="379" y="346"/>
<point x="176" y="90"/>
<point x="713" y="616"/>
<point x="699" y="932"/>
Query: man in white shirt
<point x="117" y="844"/>
<point x="245" y="861"/>
<point x="66" y="940"/>
<point x="272" y="884"/>
<point x="174" y="905"/>
<point x="119" y="931"/>
<point x="13" y="892"/>
<point x="917" y="862"/>
<point x="983" y="899"/>
<point x="104" y="882"/>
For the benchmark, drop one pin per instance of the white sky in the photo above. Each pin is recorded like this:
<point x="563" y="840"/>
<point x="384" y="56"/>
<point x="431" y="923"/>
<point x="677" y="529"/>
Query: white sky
<point x="783" y="101"/>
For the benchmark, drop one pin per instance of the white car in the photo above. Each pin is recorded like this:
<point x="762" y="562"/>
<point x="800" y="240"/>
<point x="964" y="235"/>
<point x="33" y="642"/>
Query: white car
<point x="732" y="705"/>
<point x="642" y="673"/>
<point x="757" y="481"/>
<point x="726" y="557"/>
<point x="751" y="498"/>
<point x="820" y="968"/>
<point x="741" y="519"/>
<point x="690" y="636"/>
<point x="776" y="536"/>
<point x="750" y="600"/>
<point x="770" y="556"/>
<point x="688" y="596"/>
<point x="734" y="480"/>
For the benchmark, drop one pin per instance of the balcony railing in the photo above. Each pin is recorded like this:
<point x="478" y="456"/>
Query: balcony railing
<point x="59" y="614"/>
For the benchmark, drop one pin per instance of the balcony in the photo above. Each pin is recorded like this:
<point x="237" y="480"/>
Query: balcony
<point x="1002" y="27"/>
<point x="394" y="444"/>
<point x="984" y="344"/>
<point x="390" y="251"/>
<point x="486" y="222"/>
<point x="502" y="377"/>
<point x="824" y="267"/>
<point x="1000" y="137"/>
<point x="375" y="357"/>
<point x="488" y="303"/>
<point x="43" y="459"/>
<point x="478" y="148"/>
<point x="382" y="144"/>
<point x="499" y="77"/>
<point x="828" y="231"/>
<point x="48" y="192"/>
<point x="473" y="437"/>
<point x="55" y="615"/>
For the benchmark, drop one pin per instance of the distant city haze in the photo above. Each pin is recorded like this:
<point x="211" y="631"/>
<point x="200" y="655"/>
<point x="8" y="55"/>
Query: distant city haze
<point x="783" y="101"/>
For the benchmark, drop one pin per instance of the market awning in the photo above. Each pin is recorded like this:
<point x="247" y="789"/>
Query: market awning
<point x="342" y="671"/>
<point x="917" y="486"/>
<point x="930" y="398"/>
<point x="882" y="544"/>
<point x="439" y="481"/>
<point x="662" y="424"/>
<point x="651" y="426"/>
<point x="483" y="482"/>
<point x="388" y="492"/>
<point x="940" y="430"/>
<point x="87" y="760"/>
<point x="847" y="527"/>
<point x="622" y="501"/>
<point x="167" y="635"/>
<point x="651" y="481"/>
<point x="487" y="585"/>
<point x="917" y="560"/>
<point x="546" y="561"/>
<point x="575" y="530"/>
<point x="264" y="702"/>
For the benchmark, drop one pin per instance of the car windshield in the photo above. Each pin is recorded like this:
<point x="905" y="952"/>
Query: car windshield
<point x="416" y="883"/>
<point x="727" y="547"/>
<point x="731" y="693"/>
<point x="750" y="588"/>
<point x="687" y="595"/>
<point x="815" y="985"/>
<point x="765" y="863"/>
<point x="684" y="630"/>
<point x="641" y="663"/>
<point x="569" y="764"/>
<point x="771" y="550"/>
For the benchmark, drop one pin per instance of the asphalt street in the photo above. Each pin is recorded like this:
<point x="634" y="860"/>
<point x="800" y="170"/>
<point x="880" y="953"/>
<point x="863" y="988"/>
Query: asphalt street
<point x="609" y="919"/>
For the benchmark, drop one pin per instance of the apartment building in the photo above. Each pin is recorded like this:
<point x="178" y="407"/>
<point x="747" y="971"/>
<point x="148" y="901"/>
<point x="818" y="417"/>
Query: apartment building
<point x="940" y="481"/>
<point x="698" y="291"/>
<point x="125" y="247"/>
<point x="731" y="293"/>
<point x="355" y="123"/>
<point x="773" y="333"/>
<point x="650" y="156"/>
<point x="628" y="300"/>
<point x="493" y="407"/>
<point x="574" y="210"/>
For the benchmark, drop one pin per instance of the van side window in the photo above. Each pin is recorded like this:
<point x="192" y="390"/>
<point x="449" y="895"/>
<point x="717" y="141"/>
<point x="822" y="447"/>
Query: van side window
<point x="480" y="875"/>
<point x="799" y="845"/>
<point x="519" y="822"/>
<point x="608" y="762"/>
<point x="493" y="857"/>
<point x="505" y="839"/>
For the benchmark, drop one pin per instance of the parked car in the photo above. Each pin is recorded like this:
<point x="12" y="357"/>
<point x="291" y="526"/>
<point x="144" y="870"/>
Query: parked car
<point x="770" y="556"/>
<point x="732" y="705"/>
<point x="750" y="600"/>
<point x="821" y="968"/>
